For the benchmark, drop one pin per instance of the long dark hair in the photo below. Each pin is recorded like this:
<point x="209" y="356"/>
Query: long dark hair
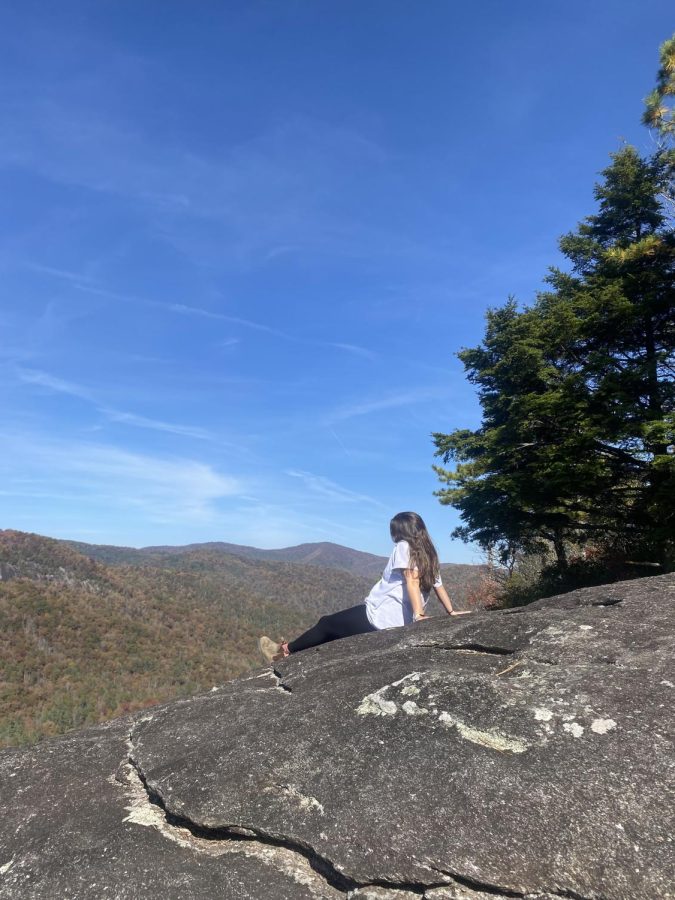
<point x="408" y="526"/>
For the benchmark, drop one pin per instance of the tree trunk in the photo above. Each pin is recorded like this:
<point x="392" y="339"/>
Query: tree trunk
<point x="653" y="387"/>
<point x="560" y="552"/>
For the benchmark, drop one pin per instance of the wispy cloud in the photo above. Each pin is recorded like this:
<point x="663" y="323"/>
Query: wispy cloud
<point x="63" y="274"/>
<point x="356" y="350"/>
<point x="59" y="385"/>
<point x="100" y="291"/>
<point x="232" y="320"/>
<point x="390" y="401"/>
<point x="88" y="285"/>
<point x="281" y="250"/>
<point x="52" y="383"/>
<point x="266" y="523"/>
<point x="275" y="332"/>
<point x="127" y="418"/>
<point x="62" y="487"/>
<point x="262" y="196"/>
<point x="339" y="441"/>
<point x="162" y="489"/>
<point x="328" y="489"/>
<point x="185" y="310"/>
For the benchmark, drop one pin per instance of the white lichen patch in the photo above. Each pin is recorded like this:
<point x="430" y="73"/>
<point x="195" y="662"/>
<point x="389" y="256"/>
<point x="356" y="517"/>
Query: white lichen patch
<point x="7" y="866"/>
<point x="373" y="892"/>
<point x="410" y="708"/>
<point x="301" y="800"/>
<point x="602" y="726"/>
<point x="586" y="627"/>
<point x="410" y="690"/>
<point x="542" y="715"/>
<point x="667" y="683"/>
<point x="495" y="740"/>
<point x="413" y="676"/>
<point x="375" y="704"/>
<point x="573" y="728"/>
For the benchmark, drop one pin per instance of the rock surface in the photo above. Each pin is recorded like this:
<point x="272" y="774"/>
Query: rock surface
<point x="520" y="753"/>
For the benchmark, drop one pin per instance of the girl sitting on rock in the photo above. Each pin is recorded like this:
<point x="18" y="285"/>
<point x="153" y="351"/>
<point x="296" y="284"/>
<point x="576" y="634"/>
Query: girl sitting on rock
<point x="399" y="597"/>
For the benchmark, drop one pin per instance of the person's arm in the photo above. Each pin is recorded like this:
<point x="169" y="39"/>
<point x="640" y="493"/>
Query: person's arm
<point x="412" y="583"/>
<point x="442" y="595"/>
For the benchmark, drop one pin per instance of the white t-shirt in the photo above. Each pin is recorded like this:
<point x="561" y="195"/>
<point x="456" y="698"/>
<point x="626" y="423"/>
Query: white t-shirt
<point x="388" y="604"/>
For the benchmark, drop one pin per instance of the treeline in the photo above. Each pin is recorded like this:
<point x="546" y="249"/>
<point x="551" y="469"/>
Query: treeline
<point x="570" y="478"/>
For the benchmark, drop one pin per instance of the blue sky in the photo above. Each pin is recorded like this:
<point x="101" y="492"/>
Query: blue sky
<point x="240" y="243"/>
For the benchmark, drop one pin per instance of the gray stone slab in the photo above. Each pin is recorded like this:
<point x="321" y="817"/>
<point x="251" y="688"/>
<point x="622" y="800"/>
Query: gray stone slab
<point x="77" y="823"/>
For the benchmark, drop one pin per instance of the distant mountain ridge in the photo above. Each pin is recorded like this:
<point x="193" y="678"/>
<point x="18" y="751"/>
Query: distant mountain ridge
<point x="324" y="554"/>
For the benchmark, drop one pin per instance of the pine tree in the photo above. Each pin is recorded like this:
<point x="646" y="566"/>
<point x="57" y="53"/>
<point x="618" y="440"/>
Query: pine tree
<point x="577" y="392"/>
<point x="659" y="115"/>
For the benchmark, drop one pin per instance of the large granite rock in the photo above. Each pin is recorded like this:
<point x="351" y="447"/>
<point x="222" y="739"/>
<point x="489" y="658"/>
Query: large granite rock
<point x="519" y="753"/>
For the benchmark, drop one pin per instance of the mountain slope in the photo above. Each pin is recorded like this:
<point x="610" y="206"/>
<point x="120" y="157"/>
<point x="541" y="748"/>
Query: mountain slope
<point x="81" y="641"/>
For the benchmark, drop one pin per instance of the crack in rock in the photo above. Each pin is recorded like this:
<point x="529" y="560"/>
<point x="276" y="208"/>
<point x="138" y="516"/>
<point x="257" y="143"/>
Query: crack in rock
<point x="298" y="860"/>
<point x="481" y="886"/>
<point x="295" y="858"/>
<point x="292" y="857"/>
<point x="143" y="810"/>
<point x="609" y="601"/>
<point x="488" y="888"/>
<point x="470" y="648"/>
<point x="279" y="678"/>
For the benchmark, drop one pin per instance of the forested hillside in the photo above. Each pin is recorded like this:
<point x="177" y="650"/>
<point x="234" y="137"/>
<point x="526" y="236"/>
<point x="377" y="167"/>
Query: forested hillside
<point x="81" y="641"/>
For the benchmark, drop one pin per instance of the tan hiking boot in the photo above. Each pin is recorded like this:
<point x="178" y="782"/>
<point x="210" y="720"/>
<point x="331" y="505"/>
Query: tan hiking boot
<point x="271" y="651"/>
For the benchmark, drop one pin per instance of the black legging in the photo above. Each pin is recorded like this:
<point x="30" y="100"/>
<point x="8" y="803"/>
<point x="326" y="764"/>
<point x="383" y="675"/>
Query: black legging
<point x="329" y="628"/>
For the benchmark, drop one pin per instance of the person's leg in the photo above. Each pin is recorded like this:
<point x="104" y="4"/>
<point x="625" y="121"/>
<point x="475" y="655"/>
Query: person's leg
<point x="330" y="628"/>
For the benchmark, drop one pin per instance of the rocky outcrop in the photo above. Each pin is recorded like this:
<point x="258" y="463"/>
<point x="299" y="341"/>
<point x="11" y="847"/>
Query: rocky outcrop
<point x="519" y="753"/>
